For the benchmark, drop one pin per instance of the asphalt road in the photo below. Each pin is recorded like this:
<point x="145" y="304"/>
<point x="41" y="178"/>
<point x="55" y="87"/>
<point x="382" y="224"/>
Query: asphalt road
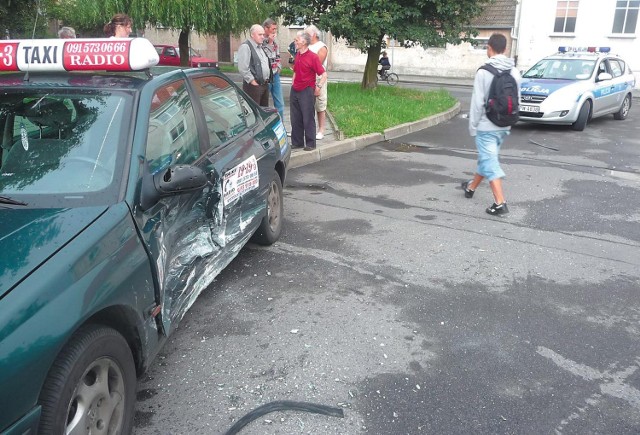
<point x="393" y="297"/>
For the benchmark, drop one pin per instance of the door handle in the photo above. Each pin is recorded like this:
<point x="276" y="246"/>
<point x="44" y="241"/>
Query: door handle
<point x="266" y="145"/>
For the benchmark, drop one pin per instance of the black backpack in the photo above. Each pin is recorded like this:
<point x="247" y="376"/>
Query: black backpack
<point x="502" y="106"/>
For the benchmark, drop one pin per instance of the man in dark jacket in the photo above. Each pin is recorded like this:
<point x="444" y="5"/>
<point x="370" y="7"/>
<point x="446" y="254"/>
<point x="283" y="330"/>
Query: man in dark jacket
<point x="254" y="66"/>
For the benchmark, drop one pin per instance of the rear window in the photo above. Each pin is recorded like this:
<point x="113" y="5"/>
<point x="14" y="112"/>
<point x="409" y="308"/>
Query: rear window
<point x="62" y="149"/>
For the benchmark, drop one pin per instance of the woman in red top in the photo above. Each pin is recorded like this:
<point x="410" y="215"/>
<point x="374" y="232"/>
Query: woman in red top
<point x="303" y="93"/>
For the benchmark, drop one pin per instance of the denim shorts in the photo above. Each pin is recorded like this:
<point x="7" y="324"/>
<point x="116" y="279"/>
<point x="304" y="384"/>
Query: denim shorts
<point x="488" y="144"/>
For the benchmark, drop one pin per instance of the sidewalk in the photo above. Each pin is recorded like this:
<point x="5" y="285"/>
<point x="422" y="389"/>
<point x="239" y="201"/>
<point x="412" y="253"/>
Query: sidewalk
<point x="334" y="143"/>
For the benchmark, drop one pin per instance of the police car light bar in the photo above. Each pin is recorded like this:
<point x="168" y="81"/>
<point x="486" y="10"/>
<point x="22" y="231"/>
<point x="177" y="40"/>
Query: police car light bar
<point x="567" y="49"/>
<point x="49" y="55"/>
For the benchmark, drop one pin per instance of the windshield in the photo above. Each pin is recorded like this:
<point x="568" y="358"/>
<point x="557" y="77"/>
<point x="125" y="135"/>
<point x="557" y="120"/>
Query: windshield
<point x="563" y="69"/>
<point x="61" y="149"/>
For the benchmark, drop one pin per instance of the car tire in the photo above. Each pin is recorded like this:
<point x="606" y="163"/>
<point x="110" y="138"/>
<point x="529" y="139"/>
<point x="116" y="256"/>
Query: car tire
<point x="271" y="226"/>
<point x="583" y="117"/>
<point x="624" y="109"/>
<point x="91" y="387"/>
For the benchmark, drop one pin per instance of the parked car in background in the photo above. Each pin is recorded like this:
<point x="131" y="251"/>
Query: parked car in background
<point x="123" y="194"/>
<point x="170" y="56"/>
<point x="576" y="85"/>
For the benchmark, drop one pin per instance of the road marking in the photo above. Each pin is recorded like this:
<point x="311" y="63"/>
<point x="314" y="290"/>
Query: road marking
<point x="611" y="383"/>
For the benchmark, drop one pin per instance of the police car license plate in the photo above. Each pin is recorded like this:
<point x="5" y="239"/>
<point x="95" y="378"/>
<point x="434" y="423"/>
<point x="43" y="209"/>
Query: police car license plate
<point x="533" y="109"/>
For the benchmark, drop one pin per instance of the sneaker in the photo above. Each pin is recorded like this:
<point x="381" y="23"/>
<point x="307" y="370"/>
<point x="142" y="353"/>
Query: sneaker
<point x="319" y="136"/>
<point x="309" y="149"/>
<point x="468" y="193"/>
<point x="498" y="209"/>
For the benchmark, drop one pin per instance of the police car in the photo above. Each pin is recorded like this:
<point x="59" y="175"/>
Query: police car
<point x="124" y="190"/>
<point x="576" y="85"/>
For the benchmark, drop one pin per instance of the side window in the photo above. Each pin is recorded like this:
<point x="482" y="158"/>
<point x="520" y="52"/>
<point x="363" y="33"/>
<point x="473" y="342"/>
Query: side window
<point x="172" y="136"/>
<point x="602" y="68"/>
<point x="250" y="115"/>
<point x="170" y="51"/>
<point x="616" y="69"/>
<point x="223" y="111"/>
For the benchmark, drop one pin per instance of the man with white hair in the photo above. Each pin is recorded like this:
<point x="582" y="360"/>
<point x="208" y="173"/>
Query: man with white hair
<point x="254" y="66"/>
<point x="304" y="89"/>
<point x="320" y="48"/>
<point x="67" y="33"/>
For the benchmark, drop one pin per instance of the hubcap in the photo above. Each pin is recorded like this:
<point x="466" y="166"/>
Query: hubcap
<point x="273" y="206"/>
<point x="97" y="404"/>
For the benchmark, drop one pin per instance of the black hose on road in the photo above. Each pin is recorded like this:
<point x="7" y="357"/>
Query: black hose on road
<point x="284" y="405"/>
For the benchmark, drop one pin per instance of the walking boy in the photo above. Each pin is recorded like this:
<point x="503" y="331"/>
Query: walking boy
<point x="489" y="137"/>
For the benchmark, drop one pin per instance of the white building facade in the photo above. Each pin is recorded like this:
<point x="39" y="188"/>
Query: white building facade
<point x="534" y="29"/>
<point x="544" y="25"/>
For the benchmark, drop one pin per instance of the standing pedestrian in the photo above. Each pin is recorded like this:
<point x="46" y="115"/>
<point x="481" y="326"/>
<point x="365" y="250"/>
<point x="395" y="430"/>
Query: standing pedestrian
<point x="304" y="90"/>
<point x="66" y="33"/>
<point x="273" y="53"/>
<point x="254" y="67"/>
<point x="488" y="136"/>
<point x="320" y="48"/>
<point x="119" y="26"/>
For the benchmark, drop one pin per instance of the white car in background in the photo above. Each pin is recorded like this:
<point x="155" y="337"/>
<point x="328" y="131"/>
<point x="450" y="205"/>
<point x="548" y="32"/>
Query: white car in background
<point x="576" y="85"/>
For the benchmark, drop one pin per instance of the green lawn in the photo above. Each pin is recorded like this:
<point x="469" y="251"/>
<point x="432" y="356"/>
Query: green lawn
<point x="358" y="111"/>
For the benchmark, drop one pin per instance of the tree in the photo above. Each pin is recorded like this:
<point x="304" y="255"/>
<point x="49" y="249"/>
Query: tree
<point x="364" y="23"/>
<point x="22" y="19"/>
<point x="209" y="17"/>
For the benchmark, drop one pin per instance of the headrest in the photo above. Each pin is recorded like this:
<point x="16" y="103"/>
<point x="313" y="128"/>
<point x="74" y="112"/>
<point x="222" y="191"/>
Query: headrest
<point x="48" y="112"/>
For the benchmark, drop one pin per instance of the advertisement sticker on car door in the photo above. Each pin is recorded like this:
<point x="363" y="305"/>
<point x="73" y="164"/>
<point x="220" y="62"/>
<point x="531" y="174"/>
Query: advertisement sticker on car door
<point x="240" y="180"/>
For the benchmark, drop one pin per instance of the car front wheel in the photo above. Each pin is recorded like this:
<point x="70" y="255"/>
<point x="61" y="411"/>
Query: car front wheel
<point x="583" y="117"/>
<point x="90" y="389"/>
<point x="624" y="109"/>
<point x="271" y="226"/>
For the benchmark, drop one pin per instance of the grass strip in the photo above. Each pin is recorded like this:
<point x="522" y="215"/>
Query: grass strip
<point x="360" y="111"/>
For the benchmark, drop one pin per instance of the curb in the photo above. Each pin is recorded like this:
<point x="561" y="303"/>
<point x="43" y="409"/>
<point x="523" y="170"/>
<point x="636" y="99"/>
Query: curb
<point x="338" y="147"/>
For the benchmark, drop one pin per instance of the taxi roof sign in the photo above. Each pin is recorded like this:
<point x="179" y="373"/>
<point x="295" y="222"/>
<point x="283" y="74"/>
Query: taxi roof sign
<point x="50" y="55"/>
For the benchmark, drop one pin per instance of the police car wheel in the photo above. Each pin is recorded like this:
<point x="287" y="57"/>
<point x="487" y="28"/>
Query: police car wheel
<point x="624" y="109"/>
<point x="583" y="117"/>
<point x="271" y="226"/>
<point x="91" y="386"/>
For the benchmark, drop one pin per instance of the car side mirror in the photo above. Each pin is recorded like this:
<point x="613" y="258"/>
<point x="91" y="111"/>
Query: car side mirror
<point x="604" y="76"/>
<point x="174" y="180"/>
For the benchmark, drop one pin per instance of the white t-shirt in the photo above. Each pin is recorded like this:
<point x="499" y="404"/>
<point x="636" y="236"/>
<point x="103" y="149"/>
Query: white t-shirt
<point x="316" y="48"/>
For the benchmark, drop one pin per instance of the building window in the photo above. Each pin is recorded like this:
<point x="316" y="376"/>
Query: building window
<point x="626" y="16"/>
<point x="566" y="14"/>
<point x="480" y="43"/>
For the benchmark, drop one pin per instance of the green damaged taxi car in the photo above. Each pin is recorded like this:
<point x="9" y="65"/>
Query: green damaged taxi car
<point x="122" y="195"/>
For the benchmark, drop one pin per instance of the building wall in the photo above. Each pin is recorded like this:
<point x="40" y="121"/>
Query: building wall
<point x="207" y="46"/>
<point x="451" y="61"/>
<point x="593" y="29"/>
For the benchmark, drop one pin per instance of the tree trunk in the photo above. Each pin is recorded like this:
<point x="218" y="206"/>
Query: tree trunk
<point x="370" y="78"/>
<point x="183" y="43"/>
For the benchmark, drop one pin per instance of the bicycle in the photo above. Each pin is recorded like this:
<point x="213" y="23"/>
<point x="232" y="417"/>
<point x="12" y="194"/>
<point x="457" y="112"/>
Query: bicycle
<point x="390" y="77"/>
